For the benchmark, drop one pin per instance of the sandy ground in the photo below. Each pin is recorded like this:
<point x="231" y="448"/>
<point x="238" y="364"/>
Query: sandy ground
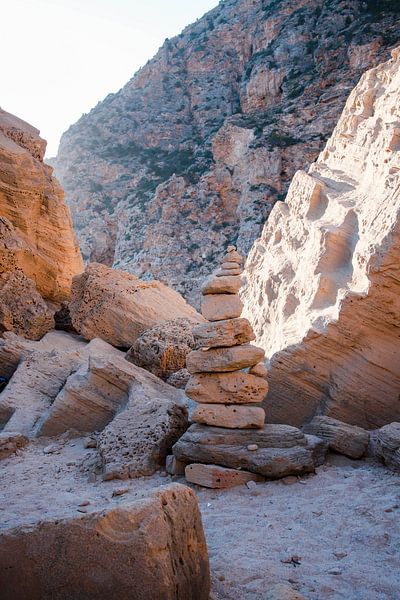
<point x="334" y="535"/>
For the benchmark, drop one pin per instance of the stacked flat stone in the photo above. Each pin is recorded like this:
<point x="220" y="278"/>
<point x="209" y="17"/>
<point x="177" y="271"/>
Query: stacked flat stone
<point x="228" y="443"/>
<point x="226" y="394"/>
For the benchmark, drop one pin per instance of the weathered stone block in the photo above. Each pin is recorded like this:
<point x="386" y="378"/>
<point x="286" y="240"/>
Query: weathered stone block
<point x="223" y="359"/>
<point x="235" y="387"/>
<point x="153" y="548"/>
<point x="341" y="437"/>
<point x="230" y="332"/>
<point x="214" y="476"/>
<point x="230" y="416"/>
<point x="217" y="307"/>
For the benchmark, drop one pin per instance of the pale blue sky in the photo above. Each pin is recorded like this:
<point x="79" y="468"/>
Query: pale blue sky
<point x="60" y="57"/>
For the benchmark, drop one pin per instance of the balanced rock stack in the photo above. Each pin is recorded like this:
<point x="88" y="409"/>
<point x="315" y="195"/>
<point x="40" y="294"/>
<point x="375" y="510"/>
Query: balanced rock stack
<point x="228" y="380"/>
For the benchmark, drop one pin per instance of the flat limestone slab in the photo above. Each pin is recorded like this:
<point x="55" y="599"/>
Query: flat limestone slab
<point x="214" y="476"/>
<point x="225" y="284"/>
<point x="217" y="307"/>
<point x="230" y="416"/>
<point x="282" y="450"/>
<point x="235" y="387"/>
<point x="230" y="332"/>
<point x="152" y="548"/>
<point x="223" y="359"/>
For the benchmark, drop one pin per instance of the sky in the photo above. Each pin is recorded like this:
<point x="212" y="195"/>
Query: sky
<point x="61" y="57"/>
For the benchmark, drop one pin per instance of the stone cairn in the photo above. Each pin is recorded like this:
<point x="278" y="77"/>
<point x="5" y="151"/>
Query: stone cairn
<point x="228" y="444"/>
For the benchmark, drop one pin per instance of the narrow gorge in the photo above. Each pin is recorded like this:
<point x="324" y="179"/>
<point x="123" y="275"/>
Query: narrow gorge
<point x="199" y="343"/>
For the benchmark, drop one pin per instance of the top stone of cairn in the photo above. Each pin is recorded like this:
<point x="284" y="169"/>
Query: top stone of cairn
<point x="232" y="256"/>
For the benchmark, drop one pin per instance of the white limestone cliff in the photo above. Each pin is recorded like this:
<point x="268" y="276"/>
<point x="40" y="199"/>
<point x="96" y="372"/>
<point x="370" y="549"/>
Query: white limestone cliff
<point x="322" y="287"/>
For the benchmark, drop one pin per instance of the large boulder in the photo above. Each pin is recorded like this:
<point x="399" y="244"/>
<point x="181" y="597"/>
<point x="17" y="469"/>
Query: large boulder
<point x="162" y="350"/>
<point x="322" y="284"/>
<point x="118" y="307"/>
<point x="22" y="309"/>
<point x="152" y="415"/>
<point x="150" y="549"/>
<point x="36" y="234"/>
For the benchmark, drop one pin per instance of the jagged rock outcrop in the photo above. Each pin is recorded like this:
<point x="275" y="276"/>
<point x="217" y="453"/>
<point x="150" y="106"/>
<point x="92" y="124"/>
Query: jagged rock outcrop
<point x="119" y="307"/>
<point x="212" y="130"/>
<point x="323" y="281"/>
<point x="36" y="235"/>
<point x="151" y="547"/>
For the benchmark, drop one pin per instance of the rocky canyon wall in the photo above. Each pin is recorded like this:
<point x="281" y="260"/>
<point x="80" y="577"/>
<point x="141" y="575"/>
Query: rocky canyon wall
<point x="323" y="281"/>
<point x="39" y="254"/>
<point x="193" y="152"/>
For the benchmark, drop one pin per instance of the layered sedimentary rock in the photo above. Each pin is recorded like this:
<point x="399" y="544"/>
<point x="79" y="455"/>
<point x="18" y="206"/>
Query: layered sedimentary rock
<point x="388" y="445"/>
<point x="36" y="235"/>
<point x="323" y="281"/>
<point x="341" y="437"/>
<point x="119" y="307"/>
<point x="152" y="547"/>
<point x="212" y="130"/>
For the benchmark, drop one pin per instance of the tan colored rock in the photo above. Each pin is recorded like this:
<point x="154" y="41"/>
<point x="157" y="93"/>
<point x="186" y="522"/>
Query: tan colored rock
<point x="140" y="436"/>
<point x="232" y="256"/>
<point x="91" y="396"/>
<point x="223" y="359"/>
<point x="33" y="388"/>
<point x="260" y="370"/>
<point x="323" y="281"/>
<point x="341" y="437"/>
<point x="216" y="477"/>
<point x="119" y="307"/>
<point x="230" y="332"/>
<point x="218" y="307"/>
<point x="151" y="547"/>
<point x="162" y="350"/>
<point x="388" y="445"/>
<point x="231" y="266"/>
<point x="221" y="285"/>
<point x="282" y="450"/>
<point x="22" y="309"/>
<point x="227" y="272"/>
<point x="36" y="232"/>
<point x="236" y="387"/>
<point x="231" y="416"/>
<point x="14" y="348"/>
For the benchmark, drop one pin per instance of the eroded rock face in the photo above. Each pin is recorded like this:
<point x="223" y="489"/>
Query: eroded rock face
<point x="119" y="307"/>
<point x="36" y="235"/>
<point x="153" y="547"/>
<point x="212" y="130"/>
<point x="341" y="437"/>
<point x="323" y="282"/>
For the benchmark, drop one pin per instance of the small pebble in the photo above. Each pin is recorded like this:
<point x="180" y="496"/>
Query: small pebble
<point x="82" y="510"/>
<point x="340" y="554"/>
<point x="221" y="578"/>
<point x="335" y="572"/>
<point x="90" y="443"/>
<point x="289" y="480"/>
<point x="251" y="485"/>
<point x="120" y="491"/>
<point x="163" y="474"/>
<point x="84" y="503"/>
<point x="252" y="447"/>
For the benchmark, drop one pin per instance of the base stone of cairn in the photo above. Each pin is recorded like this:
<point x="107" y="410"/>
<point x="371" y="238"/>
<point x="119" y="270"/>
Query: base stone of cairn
<point x="228" y="443"/>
